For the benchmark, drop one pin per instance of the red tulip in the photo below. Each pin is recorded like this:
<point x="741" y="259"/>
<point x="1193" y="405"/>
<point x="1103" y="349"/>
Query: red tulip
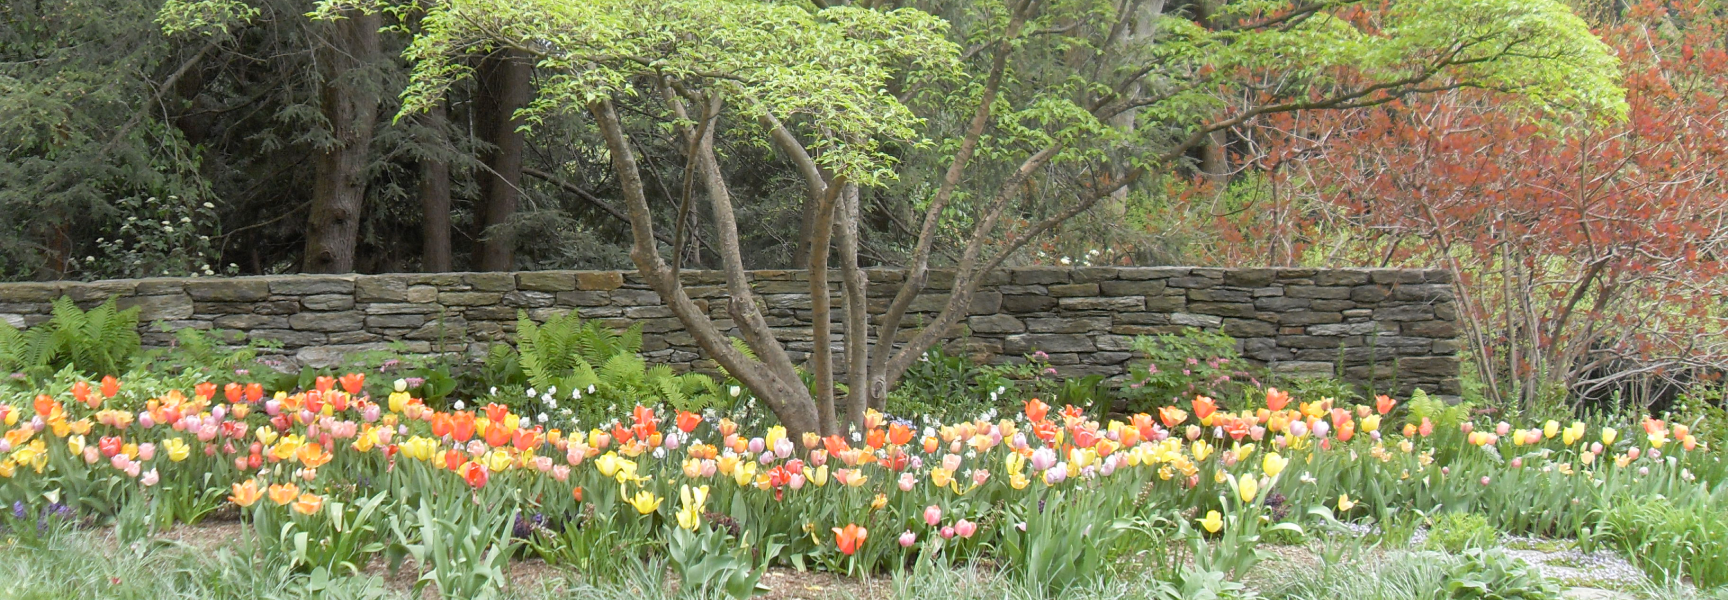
<point x="474" y="474"/>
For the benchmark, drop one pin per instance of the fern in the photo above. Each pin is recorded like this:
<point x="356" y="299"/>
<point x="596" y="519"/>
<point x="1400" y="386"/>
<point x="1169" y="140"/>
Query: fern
<point x="102" y="341"/>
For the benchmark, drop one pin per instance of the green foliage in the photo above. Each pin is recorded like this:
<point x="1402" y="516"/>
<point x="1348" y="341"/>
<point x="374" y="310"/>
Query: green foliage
<point x="465" y="548"/>
<point x="1179" y="367"/>
<point x="947" y="387"/>
<point x="709" y="560"/>
<point x="1489" y="574"/>
<point x="1456" y="531"/>
<point x="1672" y="540"/>
<point x="103" y="341"/>
<point x="564" y="344"/>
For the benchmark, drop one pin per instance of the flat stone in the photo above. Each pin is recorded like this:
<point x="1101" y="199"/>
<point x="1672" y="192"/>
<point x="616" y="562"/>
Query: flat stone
<point x="158" y="286"/>
<point x="305" y="285"/>
<point x="449" y="328"/>
<point x="159" y="308"/>
<point x="1445" y="366"/>
<point x="250" y="322"/>
<point x="1067" y="324"/>
<point x="1223" y="309"/>
<point x="1219" y="295"/>
<point x="985" y="303"/>
<point x="1132" y="288"/>
<point x="1364" y="328"/>
<point x="1073" y="290"/>
<point x="1244" y="328"/>
<point x="31" y="291"/>
<point x="1048" y="342"/>
<point x="1341" y="277"/>
<point x="228" y="290"/>
<point x="422" y="293"/>
<point x="546" y="281"/>
<point x="1039" y="275"/>
<point x="328" y="302"/>
<point x="1430" y="329"/>
<point x="1304" y="317"/>
<point x="394" y="308"/>
<point x="395" y="321"/>
<point x="327" y="322"/>
<point x="1408" y="312"/>
<point x="490" y="282"/>
<point x="1309" y="291"/>
<point x="381" y="288"/>
<point x="1301" y="368"/>
<point x="995" y="324"/>
<point x="1249" y="277"/>
<point x="599" y="280"/>
<point x="1425" y="292"/>
<point x="529" y="299"/>
<point x="1123" y="303"/>
<point x="1193" y="320"/>
<point x="469" y="298"/>
<point x="288" y="338"/>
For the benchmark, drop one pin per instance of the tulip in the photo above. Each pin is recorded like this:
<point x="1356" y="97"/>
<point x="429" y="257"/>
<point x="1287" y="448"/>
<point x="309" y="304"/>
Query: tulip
<point x="283" y="493"/>
<point x="645" y="502"/>
<point x="1247" y="489"/>
<point x="908" y="538"/>
<point x="849" y="538"/>
<point x="1273" y="464"/>
<point x="932" y="515"/>
<point x="246" y="494"/>
<point x="308" y="504"/>
<point x="150" y="478"/>
<point x="1345" y="503"/>
<point x="965" y="528"/>
<point x="1213" y="522"/>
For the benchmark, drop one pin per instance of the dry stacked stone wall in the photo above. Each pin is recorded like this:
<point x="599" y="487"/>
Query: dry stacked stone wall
<point x="1395" y="329"/>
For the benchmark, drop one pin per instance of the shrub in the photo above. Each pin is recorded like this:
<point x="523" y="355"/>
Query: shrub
<point x="1178" y="367"/>
<point x="1492" y="575"/>
<point x="1457" y="531"/>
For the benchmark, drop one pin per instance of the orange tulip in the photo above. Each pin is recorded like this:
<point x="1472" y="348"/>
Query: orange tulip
<point x="308" y="504"/>
<point x="496" y="412"/>
<point x="283" y="493"/>
<point x="442" y="425"/>
<point x="246" y="494"/>
<point x="81" y="393"/>
<point x="324" y="383"/>
<point x="463" y="426"/>
<point x="875" y="438"/>
<point x="110" y="386"/>
<point x="204" y="391"/>
<point x="848" y="539"/>
<point x="1384" y="403"/>
<point x="1036" y="410"/>
<point x="313" y="456"/>
<point x="1277" y="399"/>
<point x="526" y="439"/>
<point x="687" y="421"/>
<point x="1172" y="416"/>
<point x="353" y="382"/>
<point x="234" y="392"/>
<point x="254" y="392"/>
<point x="899" y="434"/>
<point x="1204" y="407"/>
<point x="496" y="435"/>
<point x="44" y="404"/>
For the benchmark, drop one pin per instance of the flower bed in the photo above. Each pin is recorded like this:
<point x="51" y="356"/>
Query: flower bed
<point x="328" y="477"/>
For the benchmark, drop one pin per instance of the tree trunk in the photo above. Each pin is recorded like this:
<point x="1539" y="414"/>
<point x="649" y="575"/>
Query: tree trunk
<point x="435" y="195"/>
<point x="504" y="88"/>
<point x="350" y="106"/>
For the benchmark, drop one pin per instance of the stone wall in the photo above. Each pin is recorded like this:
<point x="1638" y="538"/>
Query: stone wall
<point x="1395" y="329"/>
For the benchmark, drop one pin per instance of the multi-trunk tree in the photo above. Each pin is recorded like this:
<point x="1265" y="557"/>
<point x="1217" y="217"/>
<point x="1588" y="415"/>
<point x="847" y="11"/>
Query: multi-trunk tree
<point x="1002" y="121"/>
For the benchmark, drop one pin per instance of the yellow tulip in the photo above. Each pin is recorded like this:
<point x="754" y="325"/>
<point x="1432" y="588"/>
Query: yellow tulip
<point x="608" y="464"/>
<point x="744" y="474"/>
<point x="1015" y="462"/>
<point x="1247" y="489"/>
<point x="1201" y="450"/>
<point x="1213" y="522"/>
<point x="419" y="448"/>
<point x="266" y="435"/>
<point x="646" y="502"/>
<point x="498" y="460"/>
<point x="75" y="445"/>
<point x="818" y="476"/>
<point x="1608" y="436"/>
<point x="1273" y="464"/>
<point x="1370" y="423"/>
<point x="6" y="468"/>
<point x="1550" y="429"/>
<point x="1018" y="481"/>
<point x="940" y="477"/>
<point x="177" y="449"/>
<point x="1345" y="503"/>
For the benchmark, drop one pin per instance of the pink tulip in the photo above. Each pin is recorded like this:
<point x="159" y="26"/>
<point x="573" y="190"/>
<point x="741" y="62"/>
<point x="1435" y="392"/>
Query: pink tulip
<point x="947" y="533"/>
<point x="907" y="482"/>
<point x="146" y="451"/>
<point x="561" y="473"/>
<point x="1484" y="480"/>
<point x="932" y="515"/>
<point x="908" y="538"/>
<point x="150" y="478"/>
<point x="1043" y="458"/>
<point x="965" y="528"/>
